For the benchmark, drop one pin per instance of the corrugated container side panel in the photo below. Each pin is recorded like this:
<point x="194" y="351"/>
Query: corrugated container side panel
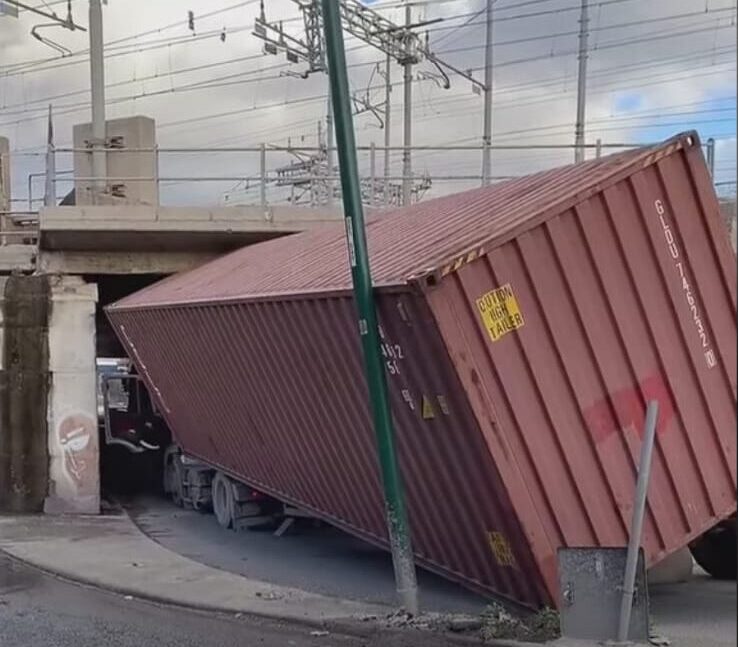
<point x="233" y="399"/>
<point x="273" y="393"/>
<point x="451" y="479"/>
<point x="707" y="251"/>
<point x="453" y="311"/>
<point x="675" y="339"/>
<point x="632" y="373"/>
<point x="609" y="323"/>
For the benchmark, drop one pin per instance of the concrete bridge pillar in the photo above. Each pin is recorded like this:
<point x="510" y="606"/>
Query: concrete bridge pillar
<point x="73" y="445"/>
<point x="24" y="377"/>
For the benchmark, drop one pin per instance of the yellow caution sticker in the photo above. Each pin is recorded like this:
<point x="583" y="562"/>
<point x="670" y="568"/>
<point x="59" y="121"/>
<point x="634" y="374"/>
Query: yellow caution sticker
<point x="501" y="549"/>
<point x="427" y="409"/>
<point x="500" y="312"/>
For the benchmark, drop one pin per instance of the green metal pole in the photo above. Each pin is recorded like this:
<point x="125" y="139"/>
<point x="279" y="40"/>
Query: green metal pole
<point x="397" y="525"/>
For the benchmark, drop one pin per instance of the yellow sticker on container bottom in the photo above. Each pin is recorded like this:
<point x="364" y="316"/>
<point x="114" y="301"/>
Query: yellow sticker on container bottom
<point x="500" y="312"/>
<point x="501" y="549"/>
<point x="427" y="409"/>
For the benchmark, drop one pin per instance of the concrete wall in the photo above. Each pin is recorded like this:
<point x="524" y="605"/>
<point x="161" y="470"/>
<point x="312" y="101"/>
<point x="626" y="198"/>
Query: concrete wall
<point x="23" y="393"/>
<point x="74" y="472"/>
<point x="129" y="132"/>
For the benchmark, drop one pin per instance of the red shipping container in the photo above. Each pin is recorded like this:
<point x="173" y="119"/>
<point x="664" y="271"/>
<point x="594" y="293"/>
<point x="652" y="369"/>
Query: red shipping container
<point x="525" y="327"/>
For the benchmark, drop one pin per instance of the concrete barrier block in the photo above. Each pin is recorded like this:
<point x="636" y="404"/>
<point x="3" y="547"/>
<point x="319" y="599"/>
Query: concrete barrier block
<point x="676" y="568"/>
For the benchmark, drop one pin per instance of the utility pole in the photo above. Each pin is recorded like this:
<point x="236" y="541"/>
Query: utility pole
<point x="329" y="145"/>
<point x="97" y="87"/>
<point x="407" y="162"/>
<point x="50" y="187"/>
<point x="397" y="524"/>
<point x="582" y="84"/>
<point x="387" y="136"/>
<point x="487" y="136"/>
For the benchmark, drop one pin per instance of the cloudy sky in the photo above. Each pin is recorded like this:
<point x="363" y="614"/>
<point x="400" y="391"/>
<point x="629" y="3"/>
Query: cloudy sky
<point x="656" y="67"/>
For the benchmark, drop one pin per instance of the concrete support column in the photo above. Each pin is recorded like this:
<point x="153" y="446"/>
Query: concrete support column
<point x="23" y="393"/>
<point x="74" y="453"/>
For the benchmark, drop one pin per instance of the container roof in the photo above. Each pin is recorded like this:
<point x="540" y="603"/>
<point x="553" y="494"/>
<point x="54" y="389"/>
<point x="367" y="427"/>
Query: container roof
<point x="404" y="244"/>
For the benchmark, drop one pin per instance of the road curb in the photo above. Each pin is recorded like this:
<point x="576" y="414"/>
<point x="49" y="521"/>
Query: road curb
<point x="354" y="627"/>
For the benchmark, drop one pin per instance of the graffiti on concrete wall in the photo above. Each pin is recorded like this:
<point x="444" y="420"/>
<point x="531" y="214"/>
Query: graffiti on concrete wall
<point x="77" y="435"/>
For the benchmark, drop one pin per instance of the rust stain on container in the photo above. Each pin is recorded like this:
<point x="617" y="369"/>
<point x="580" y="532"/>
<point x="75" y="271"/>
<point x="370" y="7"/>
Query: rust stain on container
<point x="524" y="328"/>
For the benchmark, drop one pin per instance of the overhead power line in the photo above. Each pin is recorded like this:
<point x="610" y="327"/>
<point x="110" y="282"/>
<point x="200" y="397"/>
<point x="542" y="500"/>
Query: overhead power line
<point x="135" y="48"/>
<point x="641" y="38"/>
<point x="537" y="84"/>
<point x="135" y="36"/>
<point x="547" y="81"/>
<point x="638" y="23"/>
<point x="597" y="89"/>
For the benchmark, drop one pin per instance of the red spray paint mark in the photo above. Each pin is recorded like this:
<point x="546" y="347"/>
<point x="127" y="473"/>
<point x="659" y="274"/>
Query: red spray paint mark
<point x="626" y="409"/>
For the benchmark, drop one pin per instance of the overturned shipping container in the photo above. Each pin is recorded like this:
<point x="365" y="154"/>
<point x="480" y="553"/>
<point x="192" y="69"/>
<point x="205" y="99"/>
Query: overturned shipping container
<point x="525" y="326"/>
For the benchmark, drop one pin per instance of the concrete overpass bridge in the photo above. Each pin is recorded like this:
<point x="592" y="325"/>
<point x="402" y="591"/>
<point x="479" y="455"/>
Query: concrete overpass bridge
<point x="53" y="288"/>
<point x="58" y="269"/>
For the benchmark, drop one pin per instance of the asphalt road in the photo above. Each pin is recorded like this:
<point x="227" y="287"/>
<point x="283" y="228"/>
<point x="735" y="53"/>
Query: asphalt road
<point x="700" y="613"/>
<point x="40" y="610"/>
<point x="320" y="560"/>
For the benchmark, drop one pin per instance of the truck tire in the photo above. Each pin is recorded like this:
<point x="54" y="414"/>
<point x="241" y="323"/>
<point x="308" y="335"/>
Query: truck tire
<point x="716" y="551"/>
<point x="223" y="501"/>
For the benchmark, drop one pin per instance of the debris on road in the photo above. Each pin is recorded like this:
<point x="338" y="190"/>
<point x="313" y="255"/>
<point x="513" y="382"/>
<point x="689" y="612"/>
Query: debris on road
<point x="269" y="595"/>
<point x="464" y="623"/>
<point x="540" y="627"/>
<point x="435" y="622"/>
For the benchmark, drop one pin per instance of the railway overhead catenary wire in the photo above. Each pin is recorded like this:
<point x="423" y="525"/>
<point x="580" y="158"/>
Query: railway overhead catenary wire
<point x="500" y="64"/>
<point x="438" y="102"/>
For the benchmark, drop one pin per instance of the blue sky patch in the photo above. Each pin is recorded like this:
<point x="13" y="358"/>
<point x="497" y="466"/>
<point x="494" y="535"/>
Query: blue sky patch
<point x="628" y="101"/>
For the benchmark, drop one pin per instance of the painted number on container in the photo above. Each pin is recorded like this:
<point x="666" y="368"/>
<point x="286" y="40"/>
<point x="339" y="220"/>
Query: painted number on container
<point x="393" y="353"/>
<point x="686" y="286"/>
<point x="500" y="312"/>
<point x="501" y="549"/>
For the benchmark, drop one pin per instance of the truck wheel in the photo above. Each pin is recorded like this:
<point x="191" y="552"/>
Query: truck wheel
<point x="222" y="493"/>
<point x="716" y="551"/>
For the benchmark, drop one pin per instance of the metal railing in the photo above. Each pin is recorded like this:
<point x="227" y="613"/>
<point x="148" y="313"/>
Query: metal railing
<point x="18" y="227"/>
<point x="300" y="175"/>
<point x="302" y="170"/>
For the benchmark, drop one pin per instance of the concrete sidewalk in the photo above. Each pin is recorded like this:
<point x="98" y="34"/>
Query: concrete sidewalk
<point x="110" y="552"/>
